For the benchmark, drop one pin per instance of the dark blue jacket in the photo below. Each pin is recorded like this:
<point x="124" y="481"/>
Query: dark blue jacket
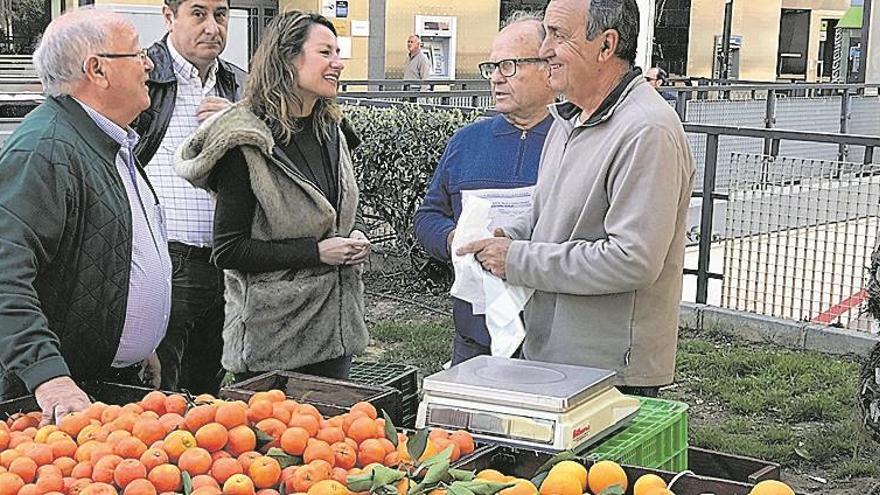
<point x="489" y="154"/>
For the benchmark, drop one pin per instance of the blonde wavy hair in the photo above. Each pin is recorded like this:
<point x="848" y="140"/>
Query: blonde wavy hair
<point x="269" y="90"/>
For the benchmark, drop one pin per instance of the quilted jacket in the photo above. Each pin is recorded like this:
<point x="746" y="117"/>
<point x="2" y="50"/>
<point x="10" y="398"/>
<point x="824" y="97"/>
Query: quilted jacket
<point x="65" y="249"/>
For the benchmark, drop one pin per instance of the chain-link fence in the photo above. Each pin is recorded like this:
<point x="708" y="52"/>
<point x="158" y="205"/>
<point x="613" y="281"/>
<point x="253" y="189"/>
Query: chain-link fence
<point x="818" y="114"/>
<point x="798" y="236"/>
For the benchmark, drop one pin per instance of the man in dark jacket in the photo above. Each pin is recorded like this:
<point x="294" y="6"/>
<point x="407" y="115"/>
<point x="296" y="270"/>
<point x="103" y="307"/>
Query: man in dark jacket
<point x="189" y="83"/>
<point x="84" y="273"/>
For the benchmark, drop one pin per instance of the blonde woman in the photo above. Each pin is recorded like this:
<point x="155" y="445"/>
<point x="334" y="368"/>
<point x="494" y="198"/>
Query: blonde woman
<point x="285" y="227"/>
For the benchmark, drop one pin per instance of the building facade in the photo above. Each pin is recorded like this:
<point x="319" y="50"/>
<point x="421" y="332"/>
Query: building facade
<point x="457" y="35"/>
<point x="770" y="39"/>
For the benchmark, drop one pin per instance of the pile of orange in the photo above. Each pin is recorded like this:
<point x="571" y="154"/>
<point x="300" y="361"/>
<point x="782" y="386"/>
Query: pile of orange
<point x="145" y="448"/>
<point x="572" y="478"/>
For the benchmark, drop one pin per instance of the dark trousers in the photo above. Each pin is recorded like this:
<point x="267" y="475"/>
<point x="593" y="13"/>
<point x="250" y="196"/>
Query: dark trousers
<point x="331" y="368"/>
<point x="464" y="348"/>
<point x="191" y="350"/>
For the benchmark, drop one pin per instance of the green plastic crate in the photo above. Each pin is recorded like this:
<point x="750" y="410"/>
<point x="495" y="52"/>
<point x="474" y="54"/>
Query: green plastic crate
<point x="656" y="438"/>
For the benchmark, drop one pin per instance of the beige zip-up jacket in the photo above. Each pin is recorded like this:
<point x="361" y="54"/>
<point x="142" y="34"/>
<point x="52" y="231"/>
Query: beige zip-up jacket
<point x="604" y="244"/>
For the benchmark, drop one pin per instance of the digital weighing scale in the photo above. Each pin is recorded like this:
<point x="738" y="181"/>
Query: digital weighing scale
<point x="545" y="406"/>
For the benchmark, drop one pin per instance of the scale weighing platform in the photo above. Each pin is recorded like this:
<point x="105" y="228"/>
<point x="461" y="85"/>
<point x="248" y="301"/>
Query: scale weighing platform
<point x="545" y="406"/>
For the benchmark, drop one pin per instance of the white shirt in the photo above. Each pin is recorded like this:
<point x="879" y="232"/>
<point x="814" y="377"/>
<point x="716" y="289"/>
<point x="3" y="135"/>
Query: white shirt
<point x="189" y="210"/>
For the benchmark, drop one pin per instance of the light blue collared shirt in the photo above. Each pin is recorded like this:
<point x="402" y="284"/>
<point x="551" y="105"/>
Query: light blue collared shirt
<point x="149" y="285"/>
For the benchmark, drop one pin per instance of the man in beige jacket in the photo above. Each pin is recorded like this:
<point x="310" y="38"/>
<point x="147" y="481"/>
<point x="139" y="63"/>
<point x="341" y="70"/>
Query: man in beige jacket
<point x="604" y="244"/>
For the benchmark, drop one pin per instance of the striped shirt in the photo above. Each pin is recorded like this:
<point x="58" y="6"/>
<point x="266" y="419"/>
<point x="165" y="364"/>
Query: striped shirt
<point x="149" y="283"/>
<point x="189" y="210"/>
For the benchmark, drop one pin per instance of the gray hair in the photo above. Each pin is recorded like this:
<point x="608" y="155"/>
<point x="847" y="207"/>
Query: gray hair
<point x="621" y="16"/>
<point x="518" y="16"/>
<point x="65" y="45"/>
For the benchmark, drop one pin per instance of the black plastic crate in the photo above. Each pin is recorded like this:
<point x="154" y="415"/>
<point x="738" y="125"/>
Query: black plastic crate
<point x="523" y="463"/>
<point x="409" y="407"/>
<point x="408" y="421"/>
<point x="331" y="397"/>
<point x="402" y="377"/>
<point x="109" y="393"/>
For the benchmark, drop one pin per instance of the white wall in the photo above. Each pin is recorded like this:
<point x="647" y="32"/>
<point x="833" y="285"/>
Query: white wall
<point x="872" y="70"/>
<point x="646" y="33"/>
<point x="148" y="21"/>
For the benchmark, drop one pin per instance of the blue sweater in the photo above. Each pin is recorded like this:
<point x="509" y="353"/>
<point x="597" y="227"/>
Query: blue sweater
<point x="489" y="154"/>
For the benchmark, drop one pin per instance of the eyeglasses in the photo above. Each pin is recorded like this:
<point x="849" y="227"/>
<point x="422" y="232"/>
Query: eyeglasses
<point x="507" y="67"/>
<point x="141" y="54"/>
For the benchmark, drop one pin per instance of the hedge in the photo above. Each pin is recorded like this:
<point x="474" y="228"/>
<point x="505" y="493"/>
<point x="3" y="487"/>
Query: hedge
<point x="395" y="162"/>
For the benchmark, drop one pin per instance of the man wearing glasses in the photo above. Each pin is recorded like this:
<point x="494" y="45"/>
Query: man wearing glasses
<point x="498" y="153"/>
<point x="188" y="84"/>
<point x="603" y="246"/>
<point x="86" y="275"/>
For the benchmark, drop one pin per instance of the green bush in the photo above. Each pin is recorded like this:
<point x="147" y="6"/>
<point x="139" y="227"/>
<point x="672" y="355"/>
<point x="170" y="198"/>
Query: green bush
<point x="395" y="162"/>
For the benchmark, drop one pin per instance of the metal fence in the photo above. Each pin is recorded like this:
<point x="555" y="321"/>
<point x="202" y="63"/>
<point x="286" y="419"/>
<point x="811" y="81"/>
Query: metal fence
<point x="797" y="238"/>
<point x="798" y="231"/>
<point x="794" y="233"/>
<point x="827" y="114"/>
<point x="828" y="108"/>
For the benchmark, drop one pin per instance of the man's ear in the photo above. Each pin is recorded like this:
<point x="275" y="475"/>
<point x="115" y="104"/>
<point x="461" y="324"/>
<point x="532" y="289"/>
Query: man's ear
<point x="609" y="44"/>
<point x="167" y="16"/>
<point x="94" y="73"/>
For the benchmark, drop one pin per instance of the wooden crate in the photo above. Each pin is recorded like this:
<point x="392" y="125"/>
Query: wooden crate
<point x="330" y="396"/>
<point x="523" y="463"/>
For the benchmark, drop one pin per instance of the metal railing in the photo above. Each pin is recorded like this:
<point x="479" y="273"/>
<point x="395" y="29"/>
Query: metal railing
<point x="469" y="98"/>
<point x="20" y="84"/>
<point x="709" y="190"/>
<point x="405" y="84"/>
<point x="775" y="99"/>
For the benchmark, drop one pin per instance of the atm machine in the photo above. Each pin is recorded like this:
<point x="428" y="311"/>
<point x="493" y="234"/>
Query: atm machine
<point x="438" y="35"/>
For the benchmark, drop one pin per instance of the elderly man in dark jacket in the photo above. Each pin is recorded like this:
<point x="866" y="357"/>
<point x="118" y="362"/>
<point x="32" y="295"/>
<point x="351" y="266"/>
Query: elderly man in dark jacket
<point x="84" y="271"/>
<point x="189" y="83"/>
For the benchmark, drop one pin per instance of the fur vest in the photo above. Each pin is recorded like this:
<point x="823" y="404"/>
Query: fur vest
<point x="288" y="318"/>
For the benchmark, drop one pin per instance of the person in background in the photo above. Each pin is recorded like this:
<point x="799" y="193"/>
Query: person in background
<point x="84" y="268"/>
<point x="417" y="66"/>
<point x="603" y="245"/>
<point x="498" y="153"/>
<point x="657" y="78"/>
<point x="188" y="84"/>
<point x="285" y="227"/>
